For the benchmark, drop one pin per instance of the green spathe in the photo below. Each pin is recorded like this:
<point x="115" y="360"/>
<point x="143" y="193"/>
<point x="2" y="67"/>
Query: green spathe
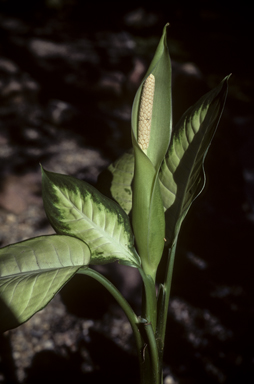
<point x="147" y="208"/>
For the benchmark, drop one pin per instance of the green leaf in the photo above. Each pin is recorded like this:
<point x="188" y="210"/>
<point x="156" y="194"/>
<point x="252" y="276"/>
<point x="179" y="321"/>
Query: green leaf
<point x="182" y="176"/>
<point x="77" y="209"/>
<point x="33" y="271"/>
<point x="147" y="210"/>
<point x="115" y="181"/>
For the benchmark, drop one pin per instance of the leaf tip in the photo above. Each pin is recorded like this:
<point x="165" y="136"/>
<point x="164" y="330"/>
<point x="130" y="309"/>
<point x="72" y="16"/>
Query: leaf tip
<point x="226" y="78"/>
<point x="42" y="169"/>
<point x="165" y="30"/>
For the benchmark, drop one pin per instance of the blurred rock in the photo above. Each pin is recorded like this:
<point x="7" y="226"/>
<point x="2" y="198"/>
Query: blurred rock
<point x="13" y="82"/>
<point x="112" y="82"/>
<point x="169" y="380"/>
<point x="48" y="49"/>
<point x="18" y="192"/>
<point x="137" y="73"/>
<point x="8" y="66"/>
<point x="47" y="52"/>
<point x="60" y="112"/>
<point x="140" y="18"/>
<point x="13" y="25"/>
<point x="116" y="46"/>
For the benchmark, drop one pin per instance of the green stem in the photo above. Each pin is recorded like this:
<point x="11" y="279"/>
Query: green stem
<point x="149" y="311"/>
<point x="149" y="362"/>
<point x="130" y="314"/>
<point x="163" y="300"/>
<point x="151" y="372"/>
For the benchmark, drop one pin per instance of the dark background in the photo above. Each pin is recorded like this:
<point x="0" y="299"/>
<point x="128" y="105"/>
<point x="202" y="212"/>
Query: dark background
<point x="69" y="71"/>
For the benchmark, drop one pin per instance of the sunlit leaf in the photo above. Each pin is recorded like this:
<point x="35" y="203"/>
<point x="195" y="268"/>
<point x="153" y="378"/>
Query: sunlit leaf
<point x="77" y="209"/>
<point x="182" y="176"/>
<point x="33" y="271"/>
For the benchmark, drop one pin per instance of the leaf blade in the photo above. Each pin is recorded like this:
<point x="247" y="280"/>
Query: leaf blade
<point x="182" y="176"/>
<point x="115" y="182"/>
<point x="77" y="209"/>
<point x="33" y="271"/>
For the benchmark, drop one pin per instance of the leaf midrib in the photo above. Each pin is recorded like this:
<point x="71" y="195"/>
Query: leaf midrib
<point x="38" y="271"/>
<point x="98" y="229"/>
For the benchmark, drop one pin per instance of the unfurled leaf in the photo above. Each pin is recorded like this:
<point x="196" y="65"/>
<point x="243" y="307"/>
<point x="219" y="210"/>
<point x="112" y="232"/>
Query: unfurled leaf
<point x="182" y="176"/>
<point x="77" y="209"/>
<point x="33" y="271"/>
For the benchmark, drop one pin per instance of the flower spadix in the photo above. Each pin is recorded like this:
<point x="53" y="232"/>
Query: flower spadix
<point x="145" y="112"/>
<point x="151" y="131"/>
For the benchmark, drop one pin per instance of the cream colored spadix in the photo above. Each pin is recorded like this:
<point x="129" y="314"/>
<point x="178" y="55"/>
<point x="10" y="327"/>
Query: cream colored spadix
<point x="145" y="112"/>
